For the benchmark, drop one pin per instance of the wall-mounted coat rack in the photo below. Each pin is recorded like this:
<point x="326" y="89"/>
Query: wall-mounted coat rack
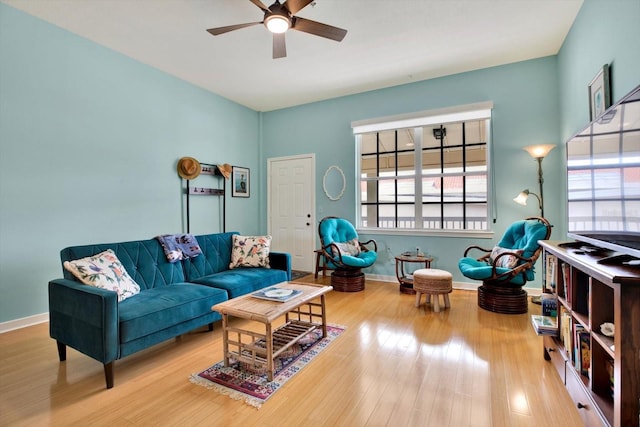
<point x="213" y="170"/>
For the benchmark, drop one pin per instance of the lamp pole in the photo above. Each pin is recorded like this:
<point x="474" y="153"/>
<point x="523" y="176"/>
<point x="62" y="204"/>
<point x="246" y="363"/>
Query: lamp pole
<point x="540" y="181"/>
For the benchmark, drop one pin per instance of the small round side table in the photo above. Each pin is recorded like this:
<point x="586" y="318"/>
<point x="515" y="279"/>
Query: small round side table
<point x="406" y="278"/>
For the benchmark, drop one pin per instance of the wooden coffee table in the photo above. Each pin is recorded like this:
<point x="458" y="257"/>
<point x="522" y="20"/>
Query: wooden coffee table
<point x="302" y="315"/>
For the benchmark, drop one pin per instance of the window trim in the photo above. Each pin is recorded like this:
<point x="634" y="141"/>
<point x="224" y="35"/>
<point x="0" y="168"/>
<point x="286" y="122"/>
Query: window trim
<point x="455" y="114"/>
<point x="461" y="113"/>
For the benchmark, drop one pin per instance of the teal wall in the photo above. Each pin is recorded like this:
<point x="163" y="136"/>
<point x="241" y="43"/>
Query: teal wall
<point x="525" y="112"/>
<point x="604" y="32"/>
<point x="89" y="141"/>
<point x="537" y="101"/>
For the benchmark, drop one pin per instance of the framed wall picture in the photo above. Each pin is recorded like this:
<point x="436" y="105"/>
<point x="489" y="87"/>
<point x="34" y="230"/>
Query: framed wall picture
<point x="599" y="93"/>
<point x="240" y="182"/>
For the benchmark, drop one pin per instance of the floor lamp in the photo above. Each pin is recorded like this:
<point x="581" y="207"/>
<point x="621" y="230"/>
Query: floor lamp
<point x="538" y="152"/>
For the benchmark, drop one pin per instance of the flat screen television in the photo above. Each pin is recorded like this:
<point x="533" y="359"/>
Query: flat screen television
<point x="603" y="181"/>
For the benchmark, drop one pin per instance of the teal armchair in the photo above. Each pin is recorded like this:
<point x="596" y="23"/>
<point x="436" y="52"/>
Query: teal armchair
<point x="345" y="253"/>
<point x="507" y="267"/>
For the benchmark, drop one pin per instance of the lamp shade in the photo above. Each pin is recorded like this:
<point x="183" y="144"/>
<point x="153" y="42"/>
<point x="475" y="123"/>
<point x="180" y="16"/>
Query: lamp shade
<point x="521" y="198"/>
<point x="539" y="151"/>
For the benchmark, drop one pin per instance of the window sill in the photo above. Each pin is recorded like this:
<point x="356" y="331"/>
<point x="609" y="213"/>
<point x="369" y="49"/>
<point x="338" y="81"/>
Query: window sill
<point x="431" y="233"/>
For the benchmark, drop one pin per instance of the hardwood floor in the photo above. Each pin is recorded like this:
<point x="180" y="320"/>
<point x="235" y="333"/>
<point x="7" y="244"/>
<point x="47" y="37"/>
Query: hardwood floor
<point x="395" y="365"/>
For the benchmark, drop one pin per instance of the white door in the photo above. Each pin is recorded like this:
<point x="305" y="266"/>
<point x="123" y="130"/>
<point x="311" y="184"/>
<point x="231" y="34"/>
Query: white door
<point x="291" y="205"/>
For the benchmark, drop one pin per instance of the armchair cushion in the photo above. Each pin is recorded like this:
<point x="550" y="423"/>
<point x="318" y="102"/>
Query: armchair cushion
<point x="364" y="259"/>
<point x="480" y="270"/>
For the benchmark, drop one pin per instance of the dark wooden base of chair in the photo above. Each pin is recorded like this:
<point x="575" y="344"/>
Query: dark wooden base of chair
<point x="503" y="299"/>
<point x="347" y="280"/>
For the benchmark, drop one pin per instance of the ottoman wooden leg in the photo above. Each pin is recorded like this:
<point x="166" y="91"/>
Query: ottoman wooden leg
<point x="447" y="304"/>
<point x="436" y="303"/>
<point x="418" y="295"/>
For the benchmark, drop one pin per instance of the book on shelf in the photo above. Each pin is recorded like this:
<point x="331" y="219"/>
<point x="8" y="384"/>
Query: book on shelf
<point x="549" y="304"/>
<point x="566" y="327"/>
<point x="581" y="340"/>
<point x="610" y="372"/>
<point x="566" y="281"/>
<point x="544" y="325"/>
<point x="584" y="339"/>
<point x="550" y="270"/>
<point x="274" y="293"/>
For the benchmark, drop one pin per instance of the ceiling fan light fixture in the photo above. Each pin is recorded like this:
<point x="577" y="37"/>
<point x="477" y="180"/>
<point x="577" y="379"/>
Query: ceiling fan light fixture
<point x="277" y="24"/>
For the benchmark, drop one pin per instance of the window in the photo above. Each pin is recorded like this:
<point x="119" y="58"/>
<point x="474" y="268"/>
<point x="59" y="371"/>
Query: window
<point x="426" y="172"/>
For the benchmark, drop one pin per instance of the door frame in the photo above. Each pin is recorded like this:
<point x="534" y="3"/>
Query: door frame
<point x="312" y="194"/>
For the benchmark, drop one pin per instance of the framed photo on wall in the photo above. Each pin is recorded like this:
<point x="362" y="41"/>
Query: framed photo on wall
<point x="599" y="93"/>
<point x="240" y="182"/>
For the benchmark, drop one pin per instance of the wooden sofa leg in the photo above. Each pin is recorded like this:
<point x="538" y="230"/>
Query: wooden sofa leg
<point x="62" y="351"/>
<point x="210" y="327"/>
<point x="108" y="374"/>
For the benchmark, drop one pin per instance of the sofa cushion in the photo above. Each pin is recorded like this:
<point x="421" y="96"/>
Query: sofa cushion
<point x="153" y="310"/>
<point x="250" y="251"/>
<point x="243" y="280"/>
<point x="105" y="271"/>
<point x="144" y="260"/>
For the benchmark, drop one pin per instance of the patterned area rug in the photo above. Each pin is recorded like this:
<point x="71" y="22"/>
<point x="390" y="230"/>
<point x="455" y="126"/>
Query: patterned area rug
<point x="296" y="274"/>
<point x="242" y="382"/>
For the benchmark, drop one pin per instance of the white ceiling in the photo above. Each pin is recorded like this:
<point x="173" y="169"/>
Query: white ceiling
<point x="390" y="42"/>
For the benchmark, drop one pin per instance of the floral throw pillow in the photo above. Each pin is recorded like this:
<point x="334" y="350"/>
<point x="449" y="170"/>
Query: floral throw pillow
<point x="105" y="271"/>
<point x="352" y="247"/>
<point x="507" y="261"/>
<point x="250" y="251"/>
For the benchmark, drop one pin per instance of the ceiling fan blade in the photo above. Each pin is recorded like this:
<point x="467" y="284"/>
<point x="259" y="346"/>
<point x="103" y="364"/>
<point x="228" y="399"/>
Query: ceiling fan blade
<point x="295" y="5"/>
<point x="260" y="5"/>
<point x="222" y="30"/>
<point x="279" y="46"/>
<point x="318" y="29"/>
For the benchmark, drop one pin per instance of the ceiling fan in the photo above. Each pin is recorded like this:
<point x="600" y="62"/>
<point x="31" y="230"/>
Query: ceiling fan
<point x="278" y="18"/>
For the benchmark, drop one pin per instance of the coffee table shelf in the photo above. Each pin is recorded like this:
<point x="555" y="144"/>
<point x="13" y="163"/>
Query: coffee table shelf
<point x="303" y="314"/>
<point x="255" y="352"/>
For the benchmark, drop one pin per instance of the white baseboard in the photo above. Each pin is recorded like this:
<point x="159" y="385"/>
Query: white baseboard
<point x="456" y="285"/>
<point x="393" y="279"/>
<point x="24" y="322"/>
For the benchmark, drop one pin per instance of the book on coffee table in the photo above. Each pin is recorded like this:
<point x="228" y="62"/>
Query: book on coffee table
<point x="276" y="294"/>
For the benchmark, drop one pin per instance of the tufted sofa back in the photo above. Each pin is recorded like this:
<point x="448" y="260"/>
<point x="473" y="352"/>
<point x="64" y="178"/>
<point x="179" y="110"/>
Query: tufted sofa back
<point x="215" y="257"/>
<point x="144" y="260"/>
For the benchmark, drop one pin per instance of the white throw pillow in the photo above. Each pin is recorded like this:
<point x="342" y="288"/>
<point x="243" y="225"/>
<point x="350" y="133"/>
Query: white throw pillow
<point x="105" y="271"/>
<point x="507" y="261"/>
<point x="250" y="251"/>
<point x="352" y="248"/>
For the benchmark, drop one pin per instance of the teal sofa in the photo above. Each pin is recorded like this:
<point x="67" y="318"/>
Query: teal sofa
<point x="174" y="298"/>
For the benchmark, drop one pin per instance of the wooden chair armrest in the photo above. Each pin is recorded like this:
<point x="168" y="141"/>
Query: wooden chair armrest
<point x="363" y="245"/>
<point x="487" y="251"/>
<point x="328" y="252"/>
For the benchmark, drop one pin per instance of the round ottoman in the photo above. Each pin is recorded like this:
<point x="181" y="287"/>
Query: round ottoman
<point x="431" y="281"/>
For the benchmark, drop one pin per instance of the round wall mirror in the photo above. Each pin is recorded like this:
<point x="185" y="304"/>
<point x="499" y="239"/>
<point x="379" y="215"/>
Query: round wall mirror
<point x="334" y="182"/>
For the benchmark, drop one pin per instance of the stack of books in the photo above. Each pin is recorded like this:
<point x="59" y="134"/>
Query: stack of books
<point x="545" y="325"/>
